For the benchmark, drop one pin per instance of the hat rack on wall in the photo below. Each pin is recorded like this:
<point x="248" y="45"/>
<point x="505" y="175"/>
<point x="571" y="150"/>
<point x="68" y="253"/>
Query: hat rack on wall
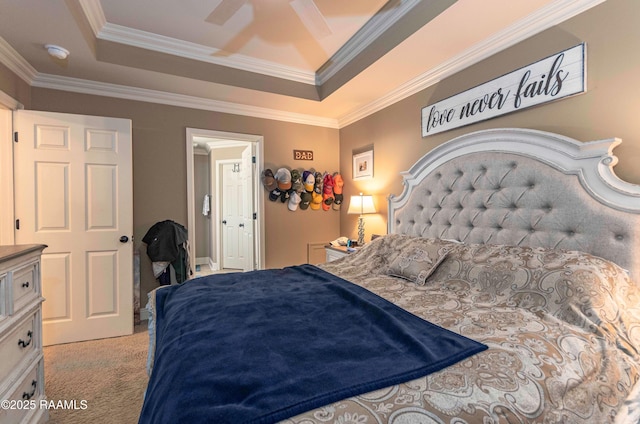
<point x="306" y="189"/>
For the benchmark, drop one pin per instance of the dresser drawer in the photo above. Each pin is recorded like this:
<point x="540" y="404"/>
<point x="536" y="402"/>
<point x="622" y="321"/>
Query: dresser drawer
<point x="4" y="296"/>
<point x="18" y="344"/>
<point x="332" y="255"/>
<point x="24" y="285"/>
<point x="24" y="397"/>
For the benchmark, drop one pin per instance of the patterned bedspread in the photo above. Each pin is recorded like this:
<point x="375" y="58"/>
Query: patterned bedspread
<point x="563" y="330"/>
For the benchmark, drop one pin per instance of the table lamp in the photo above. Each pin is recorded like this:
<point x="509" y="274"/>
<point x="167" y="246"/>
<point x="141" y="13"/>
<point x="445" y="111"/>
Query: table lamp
<point x="361" y="204"/>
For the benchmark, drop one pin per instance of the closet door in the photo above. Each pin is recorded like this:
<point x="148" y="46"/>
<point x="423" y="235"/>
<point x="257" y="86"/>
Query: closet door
<point x="73" y="192"/>
<point x="233" y="196"/>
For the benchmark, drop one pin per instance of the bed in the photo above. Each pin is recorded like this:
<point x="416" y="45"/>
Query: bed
<point x="521" y="243"/>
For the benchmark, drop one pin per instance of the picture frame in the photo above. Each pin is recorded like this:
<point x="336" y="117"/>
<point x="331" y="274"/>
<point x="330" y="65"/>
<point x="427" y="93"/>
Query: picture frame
<point x="363" y="165"/>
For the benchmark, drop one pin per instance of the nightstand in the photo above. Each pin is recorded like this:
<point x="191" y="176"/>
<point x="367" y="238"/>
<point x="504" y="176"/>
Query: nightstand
<point x="335" y="252"/>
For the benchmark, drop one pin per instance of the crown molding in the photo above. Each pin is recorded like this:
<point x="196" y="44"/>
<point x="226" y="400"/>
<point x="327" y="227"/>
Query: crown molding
<point x="19" y="66"/>
<point x="76" y="85"/>
<point x="551" y="15"/>
<point x="16" y="63"/>
<point x="372" y="30"/>
<point x="92" y="10"/>
<point x="159" y="43"/>
<point x="132" y="37"/>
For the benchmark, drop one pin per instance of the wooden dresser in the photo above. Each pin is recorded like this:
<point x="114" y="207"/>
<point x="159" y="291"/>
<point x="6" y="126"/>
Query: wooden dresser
<point x="21" y="358"/>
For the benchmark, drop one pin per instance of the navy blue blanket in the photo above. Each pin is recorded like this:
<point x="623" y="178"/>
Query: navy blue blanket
<point x="263" y="346"/>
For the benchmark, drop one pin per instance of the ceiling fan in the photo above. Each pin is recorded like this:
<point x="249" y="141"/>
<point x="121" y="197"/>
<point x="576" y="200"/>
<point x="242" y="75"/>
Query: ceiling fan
<point x="306" y="10"/>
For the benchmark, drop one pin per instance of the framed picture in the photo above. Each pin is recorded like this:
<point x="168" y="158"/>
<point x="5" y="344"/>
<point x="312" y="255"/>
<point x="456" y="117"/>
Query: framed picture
<point x="363" y="165"/>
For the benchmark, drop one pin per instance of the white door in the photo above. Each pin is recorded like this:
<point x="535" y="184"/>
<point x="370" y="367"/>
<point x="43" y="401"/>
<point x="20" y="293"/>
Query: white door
<point x="232" y="200"/>
<point x="248" y="221"/>
<point x="73" y="192"/>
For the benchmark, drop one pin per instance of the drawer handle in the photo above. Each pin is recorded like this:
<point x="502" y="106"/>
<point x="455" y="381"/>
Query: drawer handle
<point x="25" y="285"/>
<point x="28" y="396"/>
<point x="22" y="343"/>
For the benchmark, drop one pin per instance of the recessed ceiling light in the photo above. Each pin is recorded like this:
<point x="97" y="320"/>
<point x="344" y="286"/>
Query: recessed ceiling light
<point x="57" y="51"/>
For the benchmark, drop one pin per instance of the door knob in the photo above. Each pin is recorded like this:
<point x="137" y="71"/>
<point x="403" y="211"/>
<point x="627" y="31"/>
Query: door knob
<point x="240" y="225"/>
<point x="124" y="239"/>
<point x="224" y="221"/>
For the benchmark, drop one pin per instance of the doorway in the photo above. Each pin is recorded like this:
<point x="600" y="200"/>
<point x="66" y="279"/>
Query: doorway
<point x="6" y="173"/>
<point x="220" y="146"/>
<point x="73" y="192"/>
<point x="97" y="301"/>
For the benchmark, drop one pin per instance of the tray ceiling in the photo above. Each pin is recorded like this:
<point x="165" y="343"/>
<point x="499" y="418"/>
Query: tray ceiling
<point x="320" y="62"/>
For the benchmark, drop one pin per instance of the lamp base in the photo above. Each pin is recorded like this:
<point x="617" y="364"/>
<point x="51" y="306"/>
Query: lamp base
<point x="360" y="231"/>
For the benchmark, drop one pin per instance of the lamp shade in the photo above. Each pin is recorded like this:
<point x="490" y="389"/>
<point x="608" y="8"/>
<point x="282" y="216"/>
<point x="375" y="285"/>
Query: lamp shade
<point x="361" y="204"/>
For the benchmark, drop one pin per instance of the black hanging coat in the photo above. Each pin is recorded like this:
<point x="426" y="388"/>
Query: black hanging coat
<point x="166" y="242"/>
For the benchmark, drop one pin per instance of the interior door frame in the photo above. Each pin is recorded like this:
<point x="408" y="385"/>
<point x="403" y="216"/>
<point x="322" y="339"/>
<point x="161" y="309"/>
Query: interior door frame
<point x="222" y="137"/>
<point x="7" y="105"/>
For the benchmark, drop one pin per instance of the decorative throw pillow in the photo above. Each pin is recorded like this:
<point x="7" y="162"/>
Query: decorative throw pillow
<point x="418" y="264"/>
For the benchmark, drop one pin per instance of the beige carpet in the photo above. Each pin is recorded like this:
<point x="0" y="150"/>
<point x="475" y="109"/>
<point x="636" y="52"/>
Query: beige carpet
<point x="109" y="374"/>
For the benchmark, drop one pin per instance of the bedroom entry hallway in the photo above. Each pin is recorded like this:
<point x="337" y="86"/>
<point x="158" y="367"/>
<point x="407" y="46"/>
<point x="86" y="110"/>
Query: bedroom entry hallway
<point x="225" y="206"/>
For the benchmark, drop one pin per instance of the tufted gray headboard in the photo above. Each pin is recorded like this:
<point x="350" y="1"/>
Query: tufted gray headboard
<point x="523" y="187"/>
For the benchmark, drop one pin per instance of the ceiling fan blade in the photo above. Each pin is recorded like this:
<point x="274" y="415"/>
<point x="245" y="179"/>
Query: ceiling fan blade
<point x="311" y="17"/>
<point x="224" y="11"/>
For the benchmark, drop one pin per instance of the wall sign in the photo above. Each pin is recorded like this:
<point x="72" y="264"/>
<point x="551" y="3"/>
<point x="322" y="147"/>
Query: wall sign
<point x="303" y="155"/>
<point x="553" y="78"/>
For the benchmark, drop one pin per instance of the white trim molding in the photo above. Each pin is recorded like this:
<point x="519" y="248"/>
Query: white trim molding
<point x="159" y="43"/>
<point x="548" y="16"/>
<point x="372" y="30"/>
<point x="92" y="10"/>
<point x="76" y="85"/>
<point x="8" y="102"/>
<point x="7" y="232"/>
<point x="545" y="18"/>
<point x="10" y="58"/>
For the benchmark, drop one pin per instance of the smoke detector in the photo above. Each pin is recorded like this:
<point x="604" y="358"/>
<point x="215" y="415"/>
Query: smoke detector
<point x="57" y="51"/>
